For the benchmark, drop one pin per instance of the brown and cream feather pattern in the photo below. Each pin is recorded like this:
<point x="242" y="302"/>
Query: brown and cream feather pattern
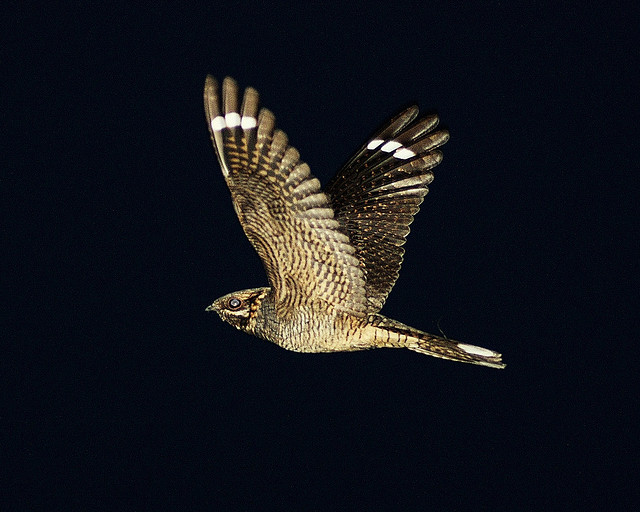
<point x="377" y="193"/>
<point x="331" y="257"/>
<point x="281" y="207"/>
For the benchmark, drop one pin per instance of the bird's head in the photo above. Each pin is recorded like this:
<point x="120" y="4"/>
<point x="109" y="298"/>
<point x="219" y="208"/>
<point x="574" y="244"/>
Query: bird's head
<point x="240" y="309"/>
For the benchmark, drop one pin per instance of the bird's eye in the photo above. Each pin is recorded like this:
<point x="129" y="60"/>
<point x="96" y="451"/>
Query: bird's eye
<point x="234" y="303"/>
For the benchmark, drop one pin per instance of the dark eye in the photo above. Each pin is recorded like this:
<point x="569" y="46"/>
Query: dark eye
<point x="234" y="303"/>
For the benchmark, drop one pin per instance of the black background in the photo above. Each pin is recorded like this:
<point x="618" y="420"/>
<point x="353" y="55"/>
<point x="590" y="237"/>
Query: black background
<point x="123" y="394"/>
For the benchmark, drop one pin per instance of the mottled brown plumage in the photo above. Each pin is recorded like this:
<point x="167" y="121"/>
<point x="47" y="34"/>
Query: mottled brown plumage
<point x="331" y="257"/>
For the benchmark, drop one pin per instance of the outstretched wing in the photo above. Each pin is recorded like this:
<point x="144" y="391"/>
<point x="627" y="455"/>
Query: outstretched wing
<point x="377" y="193"/>
<point x="281" y="208"/>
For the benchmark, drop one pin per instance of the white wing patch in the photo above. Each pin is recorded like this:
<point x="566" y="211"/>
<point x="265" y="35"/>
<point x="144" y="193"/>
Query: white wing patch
<point x="404" y="153"/>
<point x="218" y="124"/>
<point x="248" y="122"/>
<point x="374" y="144"/>
<point x="232" y="119"/>
<point x="391" y="146"/>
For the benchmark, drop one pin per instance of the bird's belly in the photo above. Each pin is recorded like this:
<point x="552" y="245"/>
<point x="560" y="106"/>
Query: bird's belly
<point x="329" y="334"/>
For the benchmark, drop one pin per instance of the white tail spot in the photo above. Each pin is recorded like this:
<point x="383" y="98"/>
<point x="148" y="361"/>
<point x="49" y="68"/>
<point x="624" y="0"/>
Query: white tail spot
<point x="478" y="351"/>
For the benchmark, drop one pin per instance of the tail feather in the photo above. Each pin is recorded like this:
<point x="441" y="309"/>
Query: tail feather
<point x="455" y="351"/>
<point x="391" y="333"/>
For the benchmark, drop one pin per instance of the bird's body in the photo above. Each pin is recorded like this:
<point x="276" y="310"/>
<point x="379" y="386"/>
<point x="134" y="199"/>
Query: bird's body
<point x="306" y="330"/>
<point x="331" y="257"/>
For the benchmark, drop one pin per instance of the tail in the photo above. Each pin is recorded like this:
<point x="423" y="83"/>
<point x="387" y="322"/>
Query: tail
<point x="390" y="333"/>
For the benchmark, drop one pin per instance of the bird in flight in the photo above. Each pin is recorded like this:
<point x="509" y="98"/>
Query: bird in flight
<point x="331" y="257"/>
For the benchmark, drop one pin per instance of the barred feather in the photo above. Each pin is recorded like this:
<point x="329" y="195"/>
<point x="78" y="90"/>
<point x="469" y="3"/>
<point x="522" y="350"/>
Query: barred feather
<point x="331" y="258"/>
<point x="377" y="193"/>
<point x="281" y="206"/>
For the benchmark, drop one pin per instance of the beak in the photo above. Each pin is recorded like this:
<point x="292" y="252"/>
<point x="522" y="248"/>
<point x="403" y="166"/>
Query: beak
<point x="210" y="308"/>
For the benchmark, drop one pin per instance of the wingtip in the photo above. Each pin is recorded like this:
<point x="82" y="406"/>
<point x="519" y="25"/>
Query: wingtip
<point x="211" y="98"/>
<point x="210" y="84"/>
<point x="229" y="82"/>
<point x="407" y="116"/>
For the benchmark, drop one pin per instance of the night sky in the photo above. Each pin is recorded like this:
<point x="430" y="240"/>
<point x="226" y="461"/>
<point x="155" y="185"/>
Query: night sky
<point x="123" y="394"/>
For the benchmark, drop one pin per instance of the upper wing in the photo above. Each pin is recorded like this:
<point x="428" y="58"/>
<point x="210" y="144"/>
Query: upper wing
<point x="281" y="208"/>
<point x="377" y="193"/>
